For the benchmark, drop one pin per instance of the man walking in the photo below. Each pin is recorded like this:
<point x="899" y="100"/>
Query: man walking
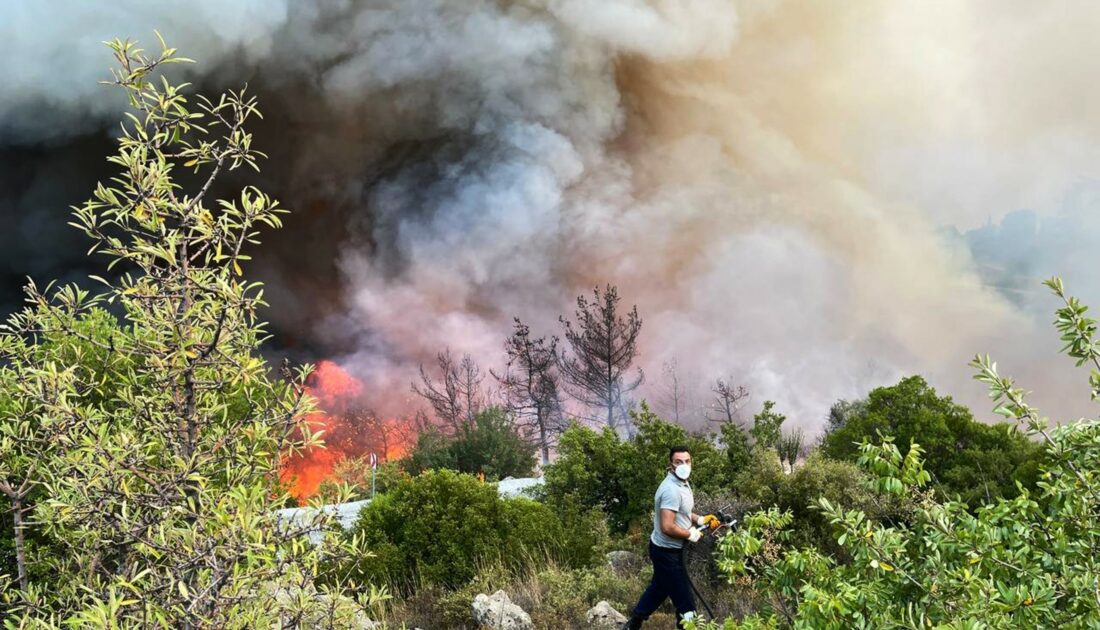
<point x="672" y="525"/>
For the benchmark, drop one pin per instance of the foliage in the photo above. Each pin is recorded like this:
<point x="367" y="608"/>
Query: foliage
<point x="763" y="483"/>
<point x="735" y="442"/>
<point x="489" y="445"/>
<point x="790" y="447"/>
<point x="441" y="527"/>
<point x="530" y="386"/>
<point x="598" y="469"/>
<point x="351" y="479"/>
<point x="149" y="447"/>
<point x="967" y="459"/>
<point x="603" y="345"/>
<point x="766" y="426"/>
<point x="840" y="412"/>
<point x="1026" y="561"/>
<point x="27" y="447"/>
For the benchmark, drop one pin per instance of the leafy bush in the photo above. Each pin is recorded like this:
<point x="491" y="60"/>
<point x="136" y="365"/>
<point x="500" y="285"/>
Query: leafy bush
<point x="598" y="470"/>
<point x="764" y="484"/>
<point x="762" y="480"/>
<point x="490" y="445"/>
<point x="969" y="460"/>
<point x="441" y="526"/>
<point x="1026" y="561"/>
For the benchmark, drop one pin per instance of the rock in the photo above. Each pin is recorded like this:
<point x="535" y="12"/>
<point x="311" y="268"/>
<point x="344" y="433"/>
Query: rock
<point x="624" y="562"/>
<point x="602" y="615"/>
<point x="499" y="613"/>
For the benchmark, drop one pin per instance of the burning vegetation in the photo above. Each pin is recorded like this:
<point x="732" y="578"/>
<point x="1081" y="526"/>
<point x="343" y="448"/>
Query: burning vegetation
<point x="351" y="431"/>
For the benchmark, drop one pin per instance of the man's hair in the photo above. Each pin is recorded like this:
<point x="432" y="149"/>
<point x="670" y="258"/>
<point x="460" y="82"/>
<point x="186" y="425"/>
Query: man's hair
<point x="679" y="448"/>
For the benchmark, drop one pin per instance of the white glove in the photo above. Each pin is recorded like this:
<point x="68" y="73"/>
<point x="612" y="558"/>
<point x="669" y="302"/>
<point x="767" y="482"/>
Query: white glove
<point x="701" y="521"/>
<point x="694" y="535"/>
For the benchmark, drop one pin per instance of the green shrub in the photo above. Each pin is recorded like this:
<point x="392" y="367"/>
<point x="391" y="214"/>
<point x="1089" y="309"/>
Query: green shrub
<point x="1027" y="561"/>
<point x="968" y="460"/>
<point x="490" y="445"/>
<point x="598" y="470"/>
<point x="844" y="485"/>
<point x="441" y="526"/>
<point x="555" y="596"/>
<point x="762" y="481"/>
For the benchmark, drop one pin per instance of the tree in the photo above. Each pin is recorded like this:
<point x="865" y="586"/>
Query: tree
<point x="457" y="397"/>
<point x="363" y="432"/>
<point x="736" y="444"/>
<point x="674" y="397"/>
<point x="31" y="439"/>
<point x="840" y="412"/>
<point x="966" y="458"/>
<point x="790" y="446"/>
<point x="530" y="385"/>
<point x="603" y="346"/>
<point x="728" y="400"/>
<point x="490" y="446"/>
<point x="1027" y="561"/>
<point x="766" y="425"/>
<point x="157" y="463"/>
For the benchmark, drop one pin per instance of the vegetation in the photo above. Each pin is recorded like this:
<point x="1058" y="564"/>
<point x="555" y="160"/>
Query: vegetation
<point x="966" y="459"/>
<point x="141" y="434"/>
<point x="602" y="346"/>
<point x="531" y="387"/>
<point x="597" y="469"/>
<point x="1025" y="561"/>
<point x="767" y="426"/>
<point x="439" y="527"/>
<point x="488" y="446"/>
<point x="139" y="455"/>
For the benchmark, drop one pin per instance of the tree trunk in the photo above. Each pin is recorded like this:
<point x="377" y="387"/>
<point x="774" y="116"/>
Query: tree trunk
<point x="542" y="442"/>
<point x="611" y="408"/>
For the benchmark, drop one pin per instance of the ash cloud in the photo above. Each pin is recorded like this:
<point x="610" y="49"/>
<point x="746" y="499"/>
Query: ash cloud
<point x="765" y="180"/>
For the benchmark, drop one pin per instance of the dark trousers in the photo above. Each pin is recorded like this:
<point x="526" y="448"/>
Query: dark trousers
<point x="670" y="579"/>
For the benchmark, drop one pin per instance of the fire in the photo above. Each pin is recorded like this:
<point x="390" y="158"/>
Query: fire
<point x="351" y="430"/>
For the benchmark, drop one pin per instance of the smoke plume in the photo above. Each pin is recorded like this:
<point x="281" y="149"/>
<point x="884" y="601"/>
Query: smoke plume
<point x="792" y="193"/>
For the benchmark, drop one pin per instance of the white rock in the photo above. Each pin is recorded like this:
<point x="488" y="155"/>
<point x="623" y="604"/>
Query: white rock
<point x="602" y="615"/>
<point x="518" y="486"/>
<point x="499" y="613"/>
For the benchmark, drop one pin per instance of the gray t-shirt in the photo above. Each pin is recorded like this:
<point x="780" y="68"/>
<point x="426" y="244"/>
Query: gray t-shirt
<point x="675" y="495"/>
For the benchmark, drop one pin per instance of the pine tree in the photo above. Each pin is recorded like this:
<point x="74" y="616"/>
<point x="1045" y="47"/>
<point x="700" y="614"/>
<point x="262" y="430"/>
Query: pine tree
<point x="603" y="345"/>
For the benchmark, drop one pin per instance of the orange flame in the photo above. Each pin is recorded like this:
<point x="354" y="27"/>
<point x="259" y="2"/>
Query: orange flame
<point x="350" y="430"/>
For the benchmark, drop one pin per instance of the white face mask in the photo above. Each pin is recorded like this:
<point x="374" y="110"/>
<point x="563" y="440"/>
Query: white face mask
<point x="683" y="471"/>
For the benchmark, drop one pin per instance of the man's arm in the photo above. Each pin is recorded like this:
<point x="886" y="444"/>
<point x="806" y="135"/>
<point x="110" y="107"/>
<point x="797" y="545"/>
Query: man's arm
<point x="670" y="528"/>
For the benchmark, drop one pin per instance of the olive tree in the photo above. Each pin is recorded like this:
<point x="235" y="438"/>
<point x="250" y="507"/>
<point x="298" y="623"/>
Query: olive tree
<point x="155" y="466"/>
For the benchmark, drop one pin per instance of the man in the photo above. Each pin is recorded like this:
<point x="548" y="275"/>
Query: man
<point x="672" y="525"/>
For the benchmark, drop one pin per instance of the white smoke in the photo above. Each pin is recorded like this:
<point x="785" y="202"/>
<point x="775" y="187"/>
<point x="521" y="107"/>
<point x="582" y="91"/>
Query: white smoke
<point x="54" y="55"/>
